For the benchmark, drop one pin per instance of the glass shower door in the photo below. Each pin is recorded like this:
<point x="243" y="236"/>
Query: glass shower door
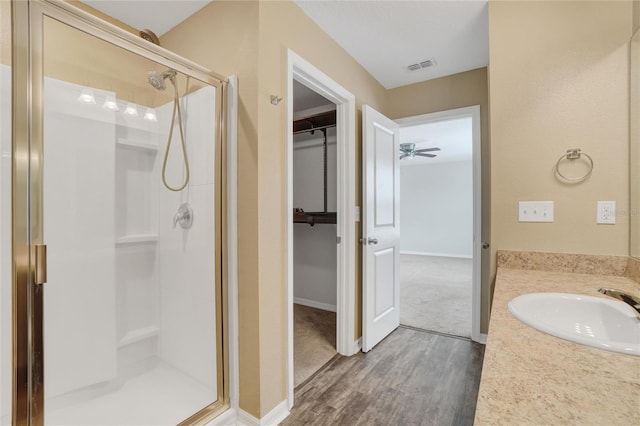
<point x="131" y="309"/>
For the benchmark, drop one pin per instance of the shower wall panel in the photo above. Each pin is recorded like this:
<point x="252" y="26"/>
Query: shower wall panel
<point x="79" y="228"/>
<point x="136" y="209"/>
<point x="187" y="264"/>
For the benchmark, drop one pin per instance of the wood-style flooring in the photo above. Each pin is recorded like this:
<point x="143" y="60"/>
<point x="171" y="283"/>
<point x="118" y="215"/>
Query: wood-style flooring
<point x="410" y="378"/>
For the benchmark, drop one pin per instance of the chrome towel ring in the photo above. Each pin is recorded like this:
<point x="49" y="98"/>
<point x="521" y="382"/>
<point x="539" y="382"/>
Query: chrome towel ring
<point x="574" y="154"/>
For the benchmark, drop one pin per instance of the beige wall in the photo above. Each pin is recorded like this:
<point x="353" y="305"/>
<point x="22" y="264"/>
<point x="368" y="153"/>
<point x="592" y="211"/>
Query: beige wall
<point x="223" y="37"/>
<point x="559" y="79"/>
<point x="251" y="40"/>
<point x="456" y="91"/>
<point x="634" y="147"/>
<point x="636" y="15"/>
<point x="283" y="25"/>
<point x="5" y="32"/>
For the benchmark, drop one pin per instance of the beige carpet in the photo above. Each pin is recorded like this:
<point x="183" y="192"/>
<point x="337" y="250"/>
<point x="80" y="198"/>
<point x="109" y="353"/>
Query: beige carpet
<point x="314" y="340"/>
<point x="435" y="293"/>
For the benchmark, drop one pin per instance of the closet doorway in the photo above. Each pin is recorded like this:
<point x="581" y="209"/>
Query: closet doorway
<point x="341" y="243"/>
<point x="314" y="231"/>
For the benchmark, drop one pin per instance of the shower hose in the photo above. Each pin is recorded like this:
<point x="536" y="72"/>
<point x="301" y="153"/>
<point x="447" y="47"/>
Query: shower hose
<point x="176" y="106"/>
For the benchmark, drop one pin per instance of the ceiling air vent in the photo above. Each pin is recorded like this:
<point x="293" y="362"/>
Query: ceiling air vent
<point x="420" y="65"/>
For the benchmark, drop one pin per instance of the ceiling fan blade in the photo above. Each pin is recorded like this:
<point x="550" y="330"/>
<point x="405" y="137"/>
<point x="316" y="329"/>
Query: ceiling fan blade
<point x="427" y="149"/>
<point x="425" y="155"/>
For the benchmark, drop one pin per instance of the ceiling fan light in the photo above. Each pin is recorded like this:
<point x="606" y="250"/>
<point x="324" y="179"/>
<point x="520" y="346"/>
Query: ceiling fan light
<point x="408" y="146"/>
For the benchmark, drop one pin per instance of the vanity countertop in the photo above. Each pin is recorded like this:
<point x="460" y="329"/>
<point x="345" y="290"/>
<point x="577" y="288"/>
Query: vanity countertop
<point x="532" y="378"/>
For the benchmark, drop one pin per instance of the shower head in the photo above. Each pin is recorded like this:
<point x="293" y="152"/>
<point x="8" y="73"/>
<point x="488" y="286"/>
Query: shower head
<point x="157" y="80"/>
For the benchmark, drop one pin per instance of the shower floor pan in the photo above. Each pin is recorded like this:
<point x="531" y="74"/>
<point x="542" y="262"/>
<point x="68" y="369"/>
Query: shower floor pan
<point x="162" y="395"/>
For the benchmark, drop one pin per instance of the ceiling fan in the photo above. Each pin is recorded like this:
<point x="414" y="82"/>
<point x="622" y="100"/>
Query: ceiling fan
<point x="409" y="151"/>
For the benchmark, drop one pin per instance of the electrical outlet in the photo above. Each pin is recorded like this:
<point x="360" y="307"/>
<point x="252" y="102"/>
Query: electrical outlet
<point x="606" y="212"/>
<point x="535" y="211"/>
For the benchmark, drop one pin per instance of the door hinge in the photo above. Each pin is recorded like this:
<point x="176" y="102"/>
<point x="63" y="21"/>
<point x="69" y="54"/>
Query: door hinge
<point x="338" y="240"/>
<point x="41" y="263"/>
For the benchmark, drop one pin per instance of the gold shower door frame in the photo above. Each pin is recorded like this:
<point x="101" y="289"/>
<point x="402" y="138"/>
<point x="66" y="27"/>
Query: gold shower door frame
<point x="27" y="216"/>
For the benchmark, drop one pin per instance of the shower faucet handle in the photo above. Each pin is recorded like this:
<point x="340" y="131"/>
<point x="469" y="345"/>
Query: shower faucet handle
<point x="184" y="216"/>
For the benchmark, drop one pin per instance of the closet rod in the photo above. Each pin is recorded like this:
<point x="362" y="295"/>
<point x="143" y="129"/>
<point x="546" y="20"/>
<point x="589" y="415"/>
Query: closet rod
<point x="313" y="129"/>
<point x="324" y="160"/>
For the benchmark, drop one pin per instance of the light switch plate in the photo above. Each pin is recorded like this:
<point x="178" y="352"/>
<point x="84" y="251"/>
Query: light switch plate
<point x="535" y="211"/>
<point x="606" y="212"/>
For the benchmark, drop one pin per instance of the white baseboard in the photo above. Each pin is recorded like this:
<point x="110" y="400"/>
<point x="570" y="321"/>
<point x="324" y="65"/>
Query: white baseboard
<point x="482" y="339"/>
<point x="246" y="419"/>
<point x="272" y="418"/>
<point x="357" y="346"/>
<point x="313" y="304"/>
<point x="422" y="253"/>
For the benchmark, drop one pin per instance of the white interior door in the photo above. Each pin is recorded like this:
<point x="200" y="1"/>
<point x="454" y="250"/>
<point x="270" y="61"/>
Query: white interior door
<point x="381" y="228"/>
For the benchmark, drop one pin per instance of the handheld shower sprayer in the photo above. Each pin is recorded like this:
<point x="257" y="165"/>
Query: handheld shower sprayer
<point x="157" y="81"/>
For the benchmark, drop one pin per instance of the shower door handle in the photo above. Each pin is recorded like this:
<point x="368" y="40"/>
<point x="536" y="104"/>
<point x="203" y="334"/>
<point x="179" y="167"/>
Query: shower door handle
<point x="41" y="263"/>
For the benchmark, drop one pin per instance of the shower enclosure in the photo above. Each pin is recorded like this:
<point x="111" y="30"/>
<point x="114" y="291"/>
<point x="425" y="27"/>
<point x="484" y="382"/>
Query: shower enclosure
<point x="111" y="283"/>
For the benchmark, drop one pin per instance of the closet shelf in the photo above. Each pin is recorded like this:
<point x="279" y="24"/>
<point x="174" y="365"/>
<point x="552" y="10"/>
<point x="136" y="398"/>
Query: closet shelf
<point x="311" y="218"/>
<point x="136" y="239"/>
<point x="138" y="145"/>
<point x="315" y="122"/>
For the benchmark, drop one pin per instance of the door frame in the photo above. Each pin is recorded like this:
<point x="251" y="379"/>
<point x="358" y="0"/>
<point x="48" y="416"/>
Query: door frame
<point x="305" y="73"/>
<point x="474" y="113"/>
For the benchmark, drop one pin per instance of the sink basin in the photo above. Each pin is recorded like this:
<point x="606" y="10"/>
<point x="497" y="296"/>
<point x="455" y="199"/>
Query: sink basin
<point x="592" y="321"/>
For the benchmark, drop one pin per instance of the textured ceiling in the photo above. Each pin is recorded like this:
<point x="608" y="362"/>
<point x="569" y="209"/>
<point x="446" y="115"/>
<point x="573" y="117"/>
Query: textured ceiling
<point x="386" y="36"/>
<point x="157" y="15"/>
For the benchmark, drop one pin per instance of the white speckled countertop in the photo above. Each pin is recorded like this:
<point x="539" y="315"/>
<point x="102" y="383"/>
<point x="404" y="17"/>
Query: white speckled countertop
<point x="532" y="378"/>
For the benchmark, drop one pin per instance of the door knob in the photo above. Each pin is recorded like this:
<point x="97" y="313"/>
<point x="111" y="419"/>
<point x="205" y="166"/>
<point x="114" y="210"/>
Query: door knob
<point x="485" y="245"/>
<point x="372" y="240"/>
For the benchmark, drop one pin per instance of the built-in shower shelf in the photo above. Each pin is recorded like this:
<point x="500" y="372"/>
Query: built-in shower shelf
<point x="138" y="335"/>
<point x="139" y="145"/>
<point x="137" y="239"/>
